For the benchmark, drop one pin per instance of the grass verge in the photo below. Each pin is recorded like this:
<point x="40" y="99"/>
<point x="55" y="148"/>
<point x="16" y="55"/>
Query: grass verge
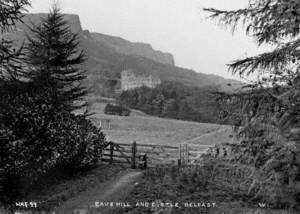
<point x="191" y="190"/>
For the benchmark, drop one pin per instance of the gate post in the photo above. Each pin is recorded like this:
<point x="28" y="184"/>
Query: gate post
<point x="180" y="158"/>
<point x="183" y="154"/>
<point x="133" y="157"/>
<point x="111" y="152"/>
<point x="187" y="154"/>
<point x="146" y="164"/>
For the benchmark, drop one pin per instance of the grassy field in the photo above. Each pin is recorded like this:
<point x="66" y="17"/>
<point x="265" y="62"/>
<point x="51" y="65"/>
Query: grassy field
<point x="146" y="129"/>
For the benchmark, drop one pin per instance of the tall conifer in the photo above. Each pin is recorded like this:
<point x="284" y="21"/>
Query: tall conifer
<point x="55" y="59"/>
<point x="267" y="113"/>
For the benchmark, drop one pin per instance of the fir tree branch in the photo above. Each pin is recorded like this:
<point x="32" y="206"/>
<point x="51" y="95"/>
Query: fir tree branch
<point x="270" y="61"/>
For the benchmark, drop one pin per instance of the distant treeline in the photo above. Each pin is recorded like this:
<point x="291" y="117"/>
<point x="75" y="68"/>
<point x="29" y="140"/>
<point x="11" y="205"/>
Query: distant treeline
<point x="174" y="100"/>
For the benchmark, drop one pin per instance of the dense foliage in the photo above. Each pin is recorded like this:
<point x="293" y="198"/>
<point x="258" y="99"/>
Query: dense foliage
<point x="35" y="137"/>
<point x="215" y="182"/>
<point x="174" y="100"/>
<point x="267" y="113"/>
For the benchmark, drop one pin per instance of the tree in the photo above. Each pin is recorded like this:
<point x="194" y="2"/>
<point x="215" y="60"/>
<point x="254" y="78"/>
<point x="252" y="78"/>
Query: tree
<point x="267" y="112"/>
<point x="174" y="100"/>
<point x="55" y="60"/>
<point x="10" y="57"/>
<point x="158" y="103"/>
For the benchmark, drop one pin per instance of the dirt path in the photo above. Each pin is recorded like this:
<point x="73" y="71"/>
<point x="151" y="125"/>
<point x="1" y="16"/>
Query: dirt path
<point x="215" y="137"/>
<point x="113" y="190"/>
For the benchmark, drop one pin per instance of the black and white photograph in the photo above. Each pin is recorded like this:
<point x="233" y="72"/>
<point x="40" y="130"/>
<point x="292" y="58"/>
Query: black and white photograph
<point x="149" y="106"/>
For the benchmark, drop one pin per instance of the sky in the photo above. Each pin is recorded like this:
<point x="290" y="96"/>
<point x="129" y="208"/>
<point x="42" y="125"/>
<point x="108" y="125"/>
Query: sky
<point x="179" y="27"/>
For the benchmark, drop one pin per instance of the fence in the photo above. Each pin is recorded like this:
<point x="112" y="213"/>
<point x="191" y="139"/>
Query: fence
<point x="141" y="155"/>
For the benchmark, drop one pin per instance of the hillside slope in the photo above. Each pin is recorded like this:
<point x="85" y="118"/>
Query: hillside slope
<point x="108" y="56"/>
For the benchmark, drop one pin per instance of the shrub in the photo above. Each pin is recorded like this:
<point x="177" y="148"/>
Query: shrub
<point x="36" y="136"/>
<point x="260" y="171"/>
<point x="80" y="143"/>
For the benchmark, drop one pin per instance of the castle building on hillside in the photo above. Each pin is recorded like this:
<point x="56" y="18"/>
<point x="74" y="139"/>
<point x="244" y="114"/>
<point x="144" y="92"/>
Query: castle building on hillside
<point x="130" y="81"/>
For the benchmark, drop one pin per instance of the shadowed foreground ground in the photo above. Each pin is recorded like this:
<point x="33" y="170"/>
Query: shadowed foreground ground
<point x="112" y="190"/>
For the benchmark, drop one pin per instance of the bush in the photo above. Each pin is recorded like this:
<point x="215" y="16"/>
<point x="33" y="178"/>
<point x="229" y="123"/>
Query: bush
<point x="80" y="142"/>
<point x="182" y="184"/>
<point x="36" y="136"/>
<point x="260" y="171"/>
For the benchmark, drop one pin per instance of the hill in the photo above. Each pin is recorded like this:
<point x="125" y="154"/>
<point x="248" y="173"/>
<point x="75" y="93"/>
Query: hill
<point x="125" y="47"/>
<point x="108" y="56"/>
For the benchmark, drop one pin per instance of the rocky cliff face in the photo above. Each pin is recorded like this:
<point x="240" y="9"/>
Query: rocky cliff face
<point x="123" y="46"/>
<point x="35" y="18"/>
<point x="119" y="45"/>
<point x="22" y="28"/>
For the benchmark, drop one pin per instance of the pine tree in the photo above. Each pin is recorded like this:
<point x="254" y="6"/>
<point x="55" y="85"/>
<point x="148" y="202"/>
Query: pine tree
<point x="276" y="23"/>
<point x="55" y="60"/>
<point x="267" y="112"/>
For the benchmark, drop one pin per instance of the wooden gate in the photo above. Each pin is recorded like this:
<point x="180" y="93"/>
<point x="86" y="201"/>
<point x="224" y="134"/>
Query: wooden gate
<point x="138" y="155"/>
<point x="191" y="154"/>
<point x="120" y="153"/>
